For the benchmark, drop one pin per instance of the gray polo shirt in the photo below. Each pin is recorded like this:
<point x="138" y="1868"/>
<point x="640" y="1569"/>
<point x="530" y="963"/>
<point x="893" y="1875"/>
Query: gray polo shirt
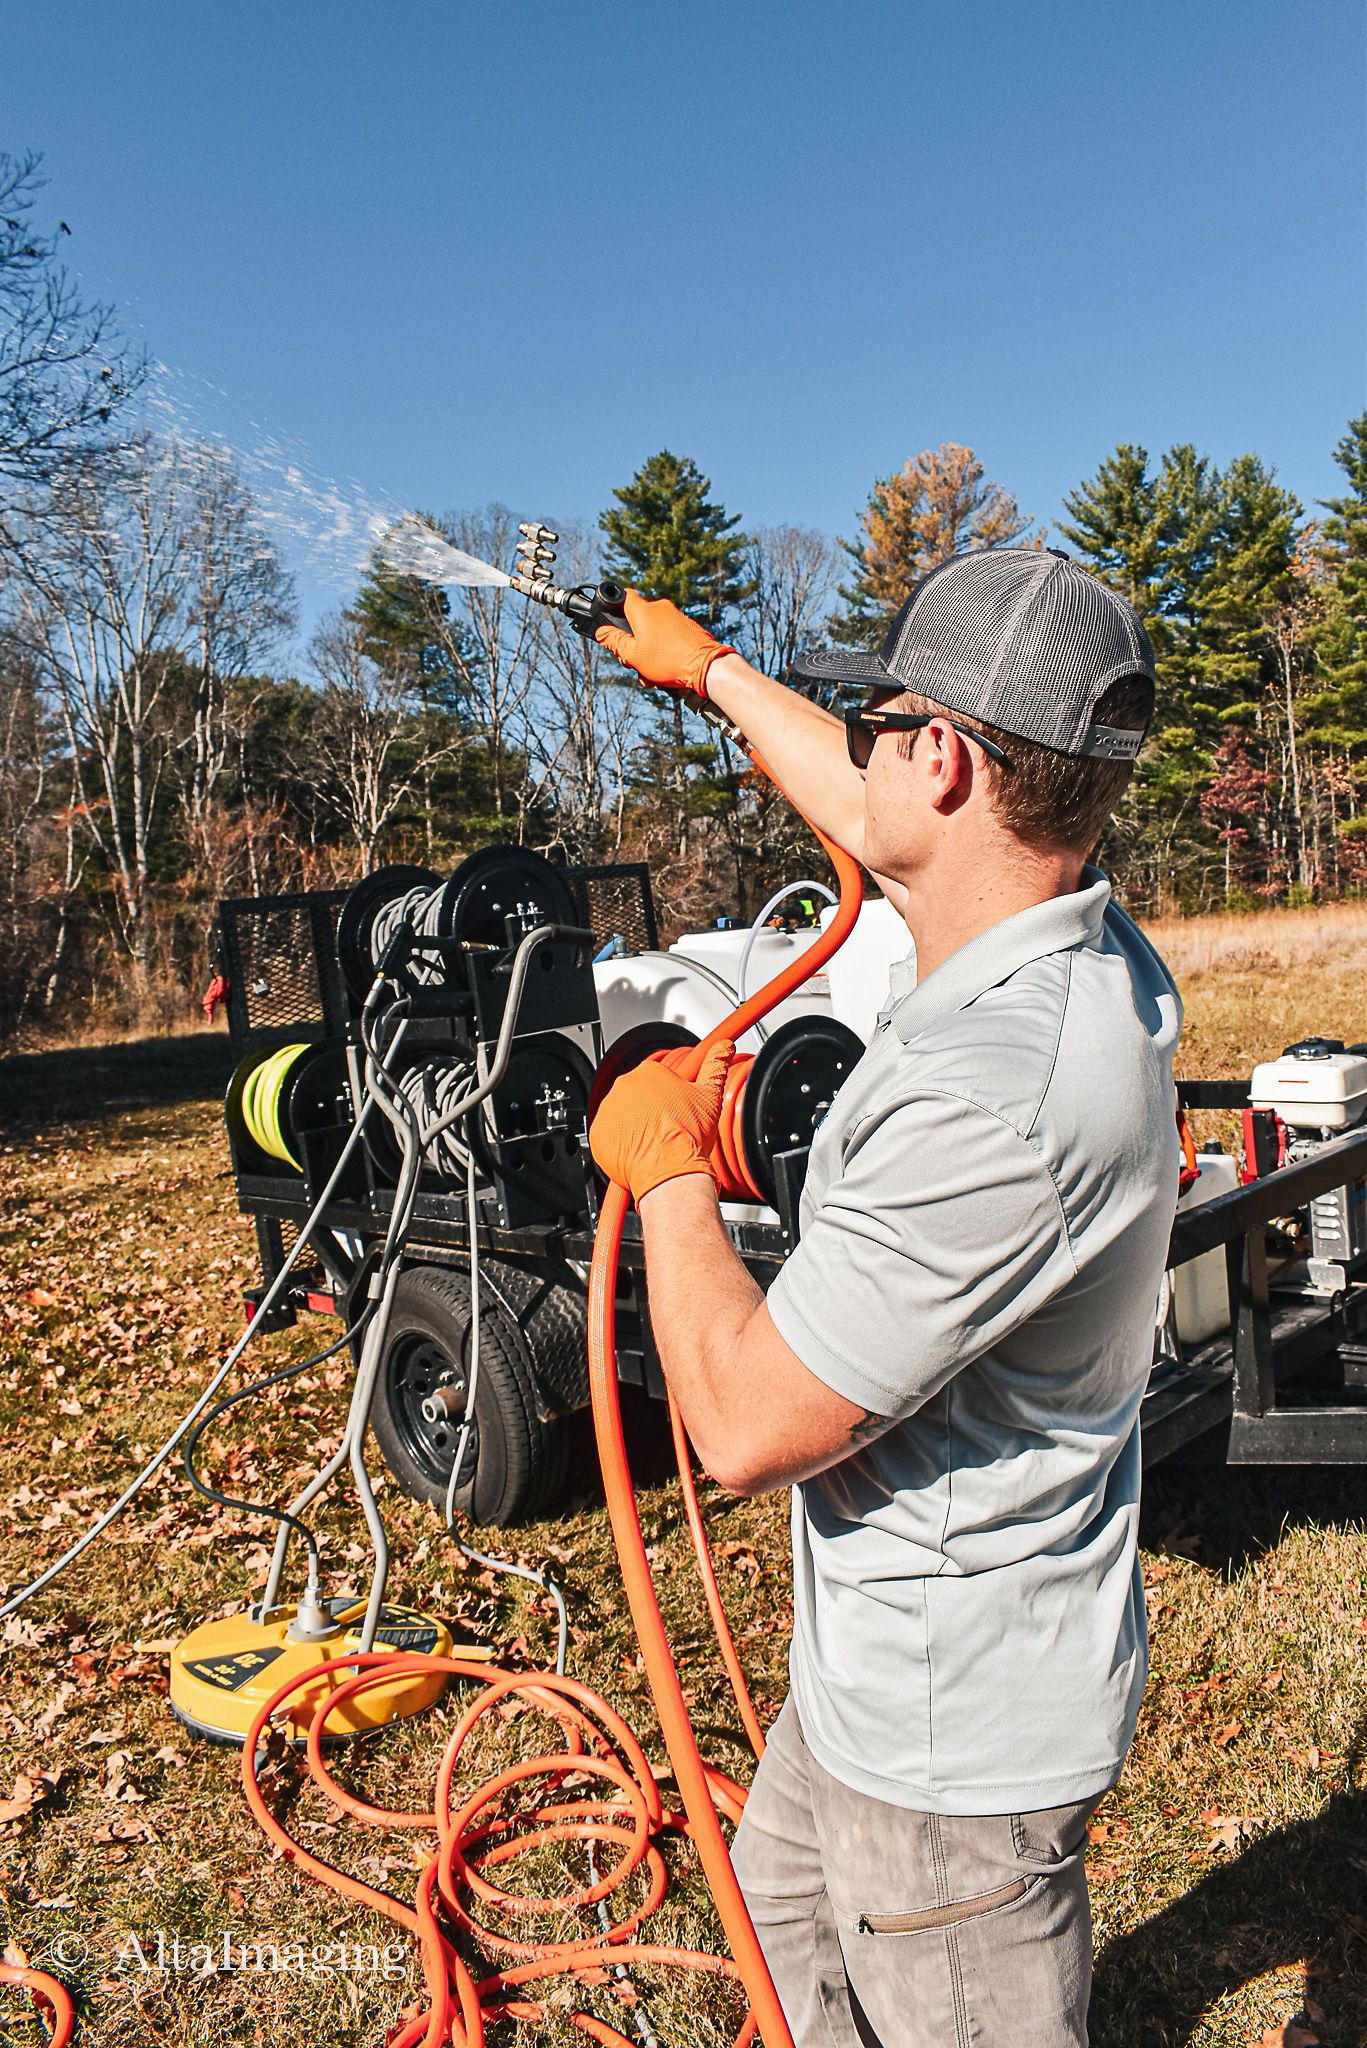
<point x="984" y="1227"/>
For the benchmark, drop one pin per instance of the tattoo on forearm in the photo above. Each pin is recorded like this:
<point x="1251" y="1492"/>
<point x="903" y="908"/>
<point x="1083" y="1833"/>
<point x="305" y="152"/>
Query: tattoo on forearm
<point x="868" y="1427"/>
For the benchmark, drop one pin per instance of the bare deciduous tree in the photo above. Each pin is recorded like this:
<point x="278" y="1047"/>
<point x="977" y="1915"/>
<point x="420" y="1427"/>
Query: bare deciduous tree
<point x="582" y="720"/>
<point x="103" y="572"/>
<point x="40" y="866"/>
<point x="497" y="653"/>
<point x="793" y="570"/>
<point x="368" y="745"/>
<point x="64" y="373"/>
<point x="240" y="604"/>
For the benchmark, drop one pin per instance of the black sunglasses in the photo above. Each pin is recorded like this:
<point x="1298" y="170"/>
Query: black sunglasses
<point x="863" y="725"/>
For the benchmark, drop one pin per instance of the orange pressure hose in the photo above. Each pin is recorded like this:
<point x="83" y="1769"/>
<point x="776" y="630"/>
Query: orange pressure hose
<point x="46" y="1991"/>
<point x="691" y="1774"/>
<point x="488" y="1829"/>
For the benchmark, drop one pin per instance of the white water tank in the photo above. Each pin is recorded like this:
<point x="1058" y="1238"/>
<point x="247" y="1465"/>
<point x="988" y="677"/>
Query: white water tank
<point x="693" y="983"/>
<point x="859" y="972"/>
<point x="697" y="989"/>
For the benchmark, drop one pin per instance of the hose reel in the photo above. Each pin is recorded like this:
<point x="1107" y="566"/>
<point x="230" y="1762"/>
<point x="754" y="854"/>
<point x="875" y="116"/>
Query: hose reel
<point x="774" y="1100"/>
<point x="431" y="1080"/>
<point x="528" y="1141"/>
<point x="494" y="898"/>
<point x="791" y="1084"/>
<point x="533" y="1143"/>
<point x="448" y="945"/>
<point x="279" y="1094"/>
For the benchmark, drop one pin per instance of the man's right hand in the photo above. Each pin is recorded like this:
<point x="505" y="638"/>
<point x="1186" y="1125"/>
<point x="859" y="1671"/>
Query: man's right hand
<point x="665" y="647"/>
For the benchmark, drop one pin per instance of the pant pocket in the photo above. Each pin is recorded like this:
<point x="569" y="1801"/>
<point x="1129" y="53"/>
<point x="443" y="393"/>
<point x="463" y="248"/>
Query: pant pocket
<point x="1052" y="1836"/>
<point x="951" y="1914"/>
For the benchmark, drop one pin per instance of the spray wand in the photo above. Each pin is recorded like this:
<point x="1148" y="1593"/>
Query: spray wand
<point x="587" y="606"/>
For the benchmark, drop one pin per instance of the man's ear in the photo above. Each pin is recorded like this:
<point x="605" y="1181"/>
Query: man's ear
<point x="951" y="767"/>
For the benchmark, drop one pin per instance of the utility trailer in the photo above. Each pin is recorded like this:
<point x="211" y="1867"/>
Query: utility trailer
<point x="1284" y="1382"/>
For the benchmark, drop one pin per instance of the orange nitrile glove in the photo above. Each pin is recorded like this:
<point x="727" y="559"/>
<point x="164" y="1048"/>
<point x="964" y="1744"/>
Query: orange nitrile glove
<point x="664" y="646"/>
<point x="653" y="1126"/>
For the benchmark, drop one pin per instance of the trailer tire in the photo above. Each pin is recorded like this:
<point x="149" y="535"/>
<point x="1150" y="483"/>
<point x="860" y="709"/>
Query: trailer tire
<point x="516" y="1460"/>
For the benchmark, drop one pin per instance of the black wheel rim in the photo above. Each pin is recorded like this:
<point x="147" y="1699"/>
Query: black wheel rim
<point x="417" y="1367"/>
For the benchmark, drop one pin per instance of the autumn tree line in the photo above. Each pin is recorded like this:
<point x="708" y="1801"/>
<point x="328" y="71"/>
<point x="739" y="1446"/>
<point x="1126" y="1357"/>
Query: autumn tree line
<point x="165" y="739"/>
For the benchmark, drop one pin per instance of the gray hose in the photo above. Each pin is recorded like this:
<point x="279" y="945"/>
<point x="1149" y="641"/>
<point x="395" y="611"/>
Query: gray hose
<point x="779" y="896"/>
<point x="159" y="1458"/>
<point x="414" y="1143"/>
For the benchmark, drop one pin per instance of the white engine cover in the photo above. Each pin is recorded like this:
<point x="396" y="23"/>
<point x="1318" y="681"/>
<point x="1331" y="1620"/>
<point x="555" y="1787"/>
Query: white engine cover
<point x="1312" y="1091"/>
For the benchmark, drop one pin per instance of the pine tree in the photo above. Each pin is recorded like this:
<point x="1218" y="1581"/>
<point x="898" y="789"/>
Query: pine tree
<point x="406" y="627"/>
<point x="1235" y="578"/>
<point x="1206" y="559"/>
<point x="408" y="620"/>
<point x="1342" y="646"/>
<point x="668" y="538"/>
<point x="936" y="506"/>
<point x="1115" y="525"/>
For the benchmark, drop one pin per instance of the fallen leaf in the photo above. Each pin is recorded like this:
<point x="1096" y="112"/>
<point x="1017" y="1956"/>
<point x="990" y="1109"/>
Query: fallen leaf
<point x="1227" y="1734"/>
<point x="28" y="1793"/>
<point x="741" y="1555"/>
<point x="128" y="1828"/>
<point x="25" y="1796"/>
<point x="1229" y="1830"/>
<point x="1107" y="1830"/>
<point x="1272" y="1682"/>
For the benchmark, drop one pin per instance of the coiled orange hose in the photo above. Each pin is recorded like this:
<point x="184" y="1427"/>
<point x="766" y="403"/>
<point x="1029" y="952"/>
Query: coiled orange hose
<point x="489" y="1829"/>
<point x="46" y="1991"/>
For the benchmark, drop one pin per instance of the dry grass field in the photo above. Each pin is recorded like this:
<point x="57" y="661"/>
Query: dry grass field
<point x="1229" y="1869"/>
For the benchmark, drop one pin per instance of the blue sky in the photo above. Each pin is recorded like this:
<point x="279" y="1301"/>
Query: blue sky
<point x="461" y="252"/>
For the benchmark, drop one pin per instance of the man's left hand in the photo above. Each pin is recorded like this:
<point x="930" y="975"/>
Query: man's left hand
<point x="653" y="1126"/>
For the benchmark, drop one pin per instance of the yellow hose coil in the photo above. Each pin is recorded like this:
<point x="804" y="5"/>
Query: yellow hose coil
<point x="261" y="1095"/>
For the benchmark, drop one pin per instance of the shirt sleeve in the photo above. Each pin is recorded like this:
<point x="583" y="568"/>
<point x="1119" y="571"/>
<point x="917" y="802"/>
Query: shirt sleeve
<point x="942" y="1234"/>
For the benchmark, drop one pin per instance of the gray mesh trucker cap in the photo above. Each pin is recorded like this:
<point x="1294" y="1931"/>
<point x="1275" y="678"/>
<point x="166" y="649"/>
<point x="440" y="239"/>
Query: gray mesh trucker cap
<point x="1021" y="638"/>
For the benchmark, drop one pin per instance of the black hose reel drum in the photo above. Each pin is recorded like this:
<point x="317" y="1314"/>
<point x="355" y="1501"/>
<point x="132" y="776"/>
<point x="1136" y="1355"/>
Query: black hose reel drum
<point x="788" y="1091"/>
<point x="478" y="917"/>
<point x="456" y="943"/>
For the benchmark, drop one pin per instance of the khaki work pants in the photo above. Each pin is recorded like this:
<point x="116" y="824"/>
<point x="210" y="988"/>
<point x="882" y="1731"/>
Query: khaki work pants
<point x="887" y="1928"/>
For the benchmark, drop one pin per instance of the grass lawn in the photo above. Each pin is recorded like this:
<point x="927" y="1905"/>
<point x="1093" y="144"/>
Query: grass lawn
<point x="1229" y="1869"/>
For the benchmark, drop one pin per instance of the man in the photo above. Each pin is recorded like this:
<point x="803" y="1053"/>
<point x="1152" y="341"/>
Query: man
<point x="949" y="1367"/>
